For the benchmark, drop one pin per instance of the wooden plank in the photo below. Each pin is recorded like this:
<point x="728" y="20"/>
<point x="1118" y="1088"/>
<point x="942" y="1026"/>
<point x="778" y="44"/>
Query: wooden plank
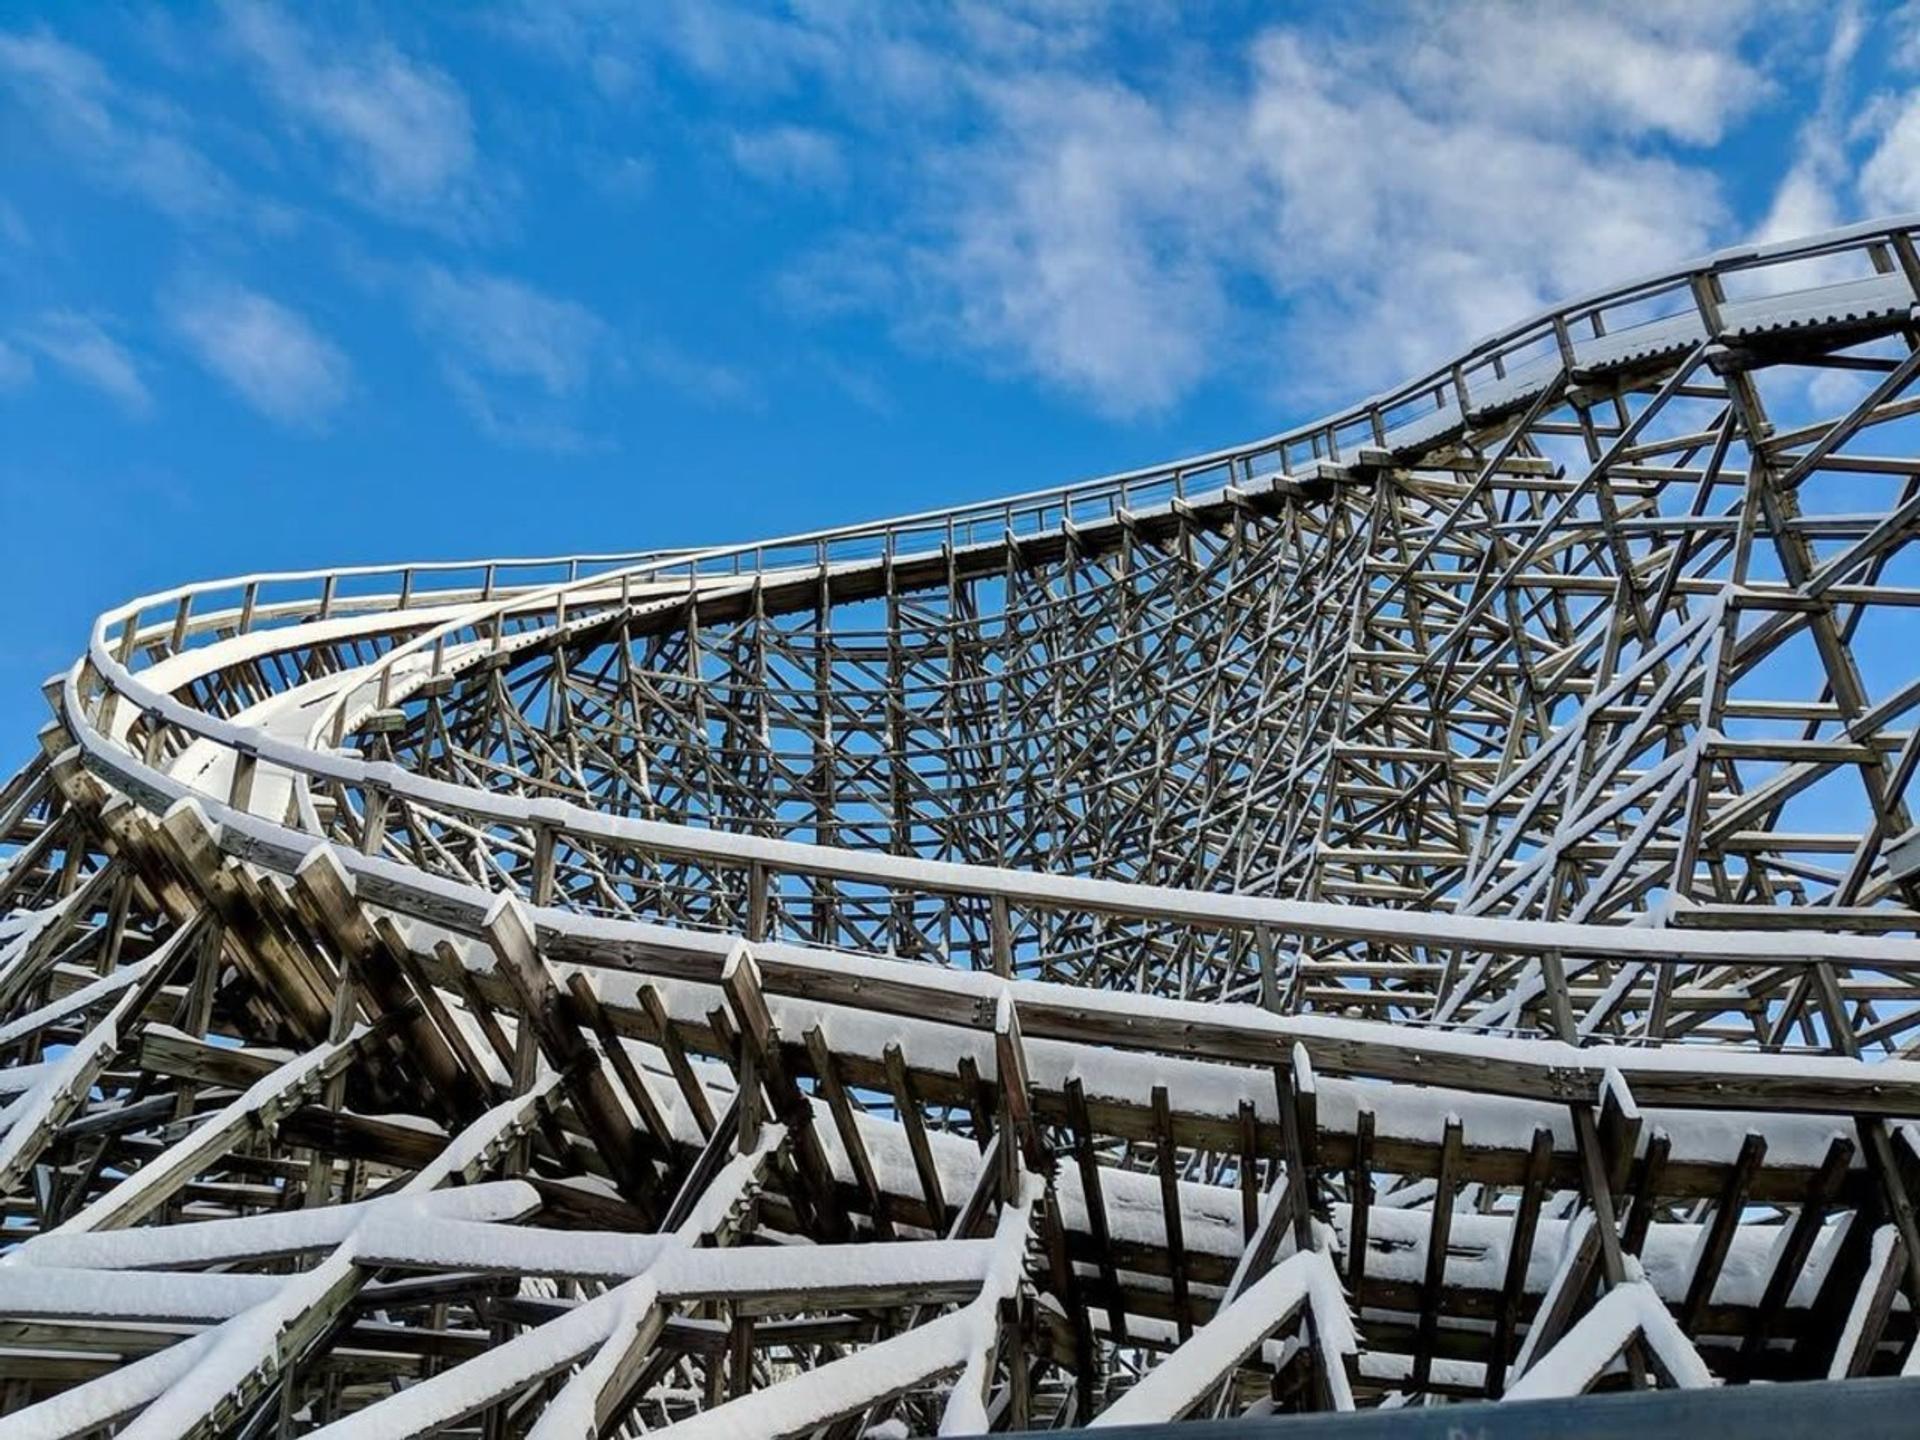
<point x="1806" y="1226"/>
<point x="741" y="981"/>
<point x="1873" y="1306"/>
<point x="1299" y="1129"/>
<point x="1439" y="1236"/>
<point x="1646" y="1192"/>
<point x="476" y="1002"/>
<point x="840" y="1105"/>
<point x="1167" y="1164"/>
<point x="1360" y="1206"/>
<point x="668" y="1039"/>
<point x="907" y="1105"/>
<point x="1094" y="1197"/>
<point x="325" y="898"/>
<point x="1526" y="1220"/>
<point x="1726" y="1220"/>
<point x="546" y="1012"/>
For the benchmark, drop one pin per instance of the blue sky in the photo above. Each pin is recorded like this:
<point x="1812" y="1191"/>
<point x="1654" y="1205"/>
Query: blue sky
<point x="296" y="286"/>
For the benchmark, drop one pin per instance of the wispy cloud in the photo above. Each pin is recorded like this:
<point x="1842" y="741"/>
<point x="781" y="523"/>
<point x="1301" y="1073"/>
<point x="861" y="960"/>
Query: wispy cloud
<point x="515" y="357"/>
<point x="129" y="141"/>
<point x="1127" y="206"/>
<point x="1128" y="233"/>
<point x="1111" y="202"/>
<point x="1889" y="177"/>
<point x="1809" y="197"/>
<point x="525" y="364"/>
<point x="269" y="355"/>
<point x="1391" y="265"/>
<point x="82" y="347"/>
<point x="1090" y="241"/>
<point x="16" y="367"/>
<point x="789" y="155"/>
<point x="707" y="381"/>
<point x="509" y="329"/>
<point x="1678" y="72"/>
<point x="14" y="234"/>
<point x="401" y="129"/>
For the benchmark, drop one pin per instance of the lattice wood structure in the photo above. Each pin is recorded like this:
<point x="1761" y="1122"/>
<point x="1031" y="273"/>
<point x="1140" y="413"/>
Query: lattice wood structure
<point x="1419" y="907"/>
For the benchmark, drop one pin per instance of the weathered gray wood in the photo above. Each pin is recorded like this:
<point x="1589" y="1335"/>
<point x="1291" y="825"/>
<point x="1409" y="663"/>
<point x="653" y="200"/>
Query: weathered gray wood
<point x="1519" y="1254"/>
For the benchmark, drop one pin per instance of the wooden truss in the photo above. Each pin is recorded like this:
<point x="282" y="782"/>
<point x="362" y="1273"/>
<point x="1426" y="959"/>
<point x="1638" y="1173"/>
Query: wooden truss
<point x="1420" y="907"/>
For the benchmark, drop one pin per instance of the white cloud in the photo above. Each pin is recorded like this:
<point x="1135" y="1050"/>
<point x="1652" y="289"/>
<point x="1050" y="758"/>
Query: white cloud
<point x="1127" y="206"/>
<point x="16" y="367"/>
<point x="1629" y="70"/>
<point x="402" y="128"/>
<point x="1472" y="222"/>
<point x="704" y="380"/>
<point x="1811" y="195"/>
<point x="866" y="53"/>
<point x="1088" y="243"/>
<point x="525" y="364"/>
<point x="269" y="355"/>
<point x="514" y="418"/>
<point x="125" y="140"/>
<point x="80" y="346"/>
<point x="1890" y="178"/>
<point x="795" y="155"/>
<point x="514" y="357"/>
<point x="743" y="47"/>
<point x="509" y="329"/>
<point x="1127" y="241"/>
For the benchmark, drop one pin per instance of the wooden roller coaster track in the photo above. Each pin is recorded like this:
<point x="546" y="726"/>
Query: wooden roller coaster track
<point x="1416" y="908"/>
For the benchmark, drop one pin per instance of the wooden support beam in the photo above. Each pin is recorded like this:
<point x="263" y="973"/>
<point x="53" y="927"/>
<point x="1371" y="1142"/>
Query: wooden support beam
<point x="324" y="895"/>
<point x="1596" y="1171"/>
<point x="1877" y="1149"/>
<point x="1016" y="1101"/>
<point x="668" y="1039"/>
<point x="906" y="1105"/>
<point x="1299" y="1128"/>
<point x="1726" y="1220"/>
<point x="1646" y="1192"/>
<point x="1526" y="1220"/>
<point x="1806" y="1225"/>
<point x="477" y="1006"/>
<point x="1556" y="1313"/>
<point x="741" y="981"/>
<point x="1360" y="1206"/>
<point x="547" y="1013"/>
<point x="1872" y="1306"/>
<point x="1247" y="1168"/>
<point x="840" y="1104"/>
<point x="1167" y="1164"/>
<point x="1439" y="1236"/>
<point x="1093" y="1196"/>
<point x="658" y="1134"/>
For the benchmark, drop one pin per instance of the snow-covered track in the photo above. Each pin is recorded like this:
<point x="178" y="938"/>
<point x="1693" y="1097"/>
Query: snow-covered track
<point x="1436" y="886"/>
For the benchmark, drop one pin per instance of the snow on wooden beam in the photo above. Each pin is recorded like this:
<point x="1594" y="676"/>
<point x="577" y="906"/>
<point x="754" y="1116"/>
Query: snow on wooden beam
<point x="151" y="1186"/>
<point x="543" y="1007"/>
<point x="1190" y="1374"/>
<point x="1630" y="1311"/>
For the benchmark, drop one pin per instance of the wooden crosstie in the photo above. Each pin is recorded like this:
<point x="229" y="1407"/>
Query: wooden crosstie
<point x="1420" y="907"/>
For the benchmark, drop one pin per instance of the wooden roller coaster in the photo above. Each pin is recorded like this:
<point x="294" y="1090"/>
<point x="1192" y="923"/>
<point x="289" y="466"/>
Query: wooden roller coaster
<point x="1416" y="908"/>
